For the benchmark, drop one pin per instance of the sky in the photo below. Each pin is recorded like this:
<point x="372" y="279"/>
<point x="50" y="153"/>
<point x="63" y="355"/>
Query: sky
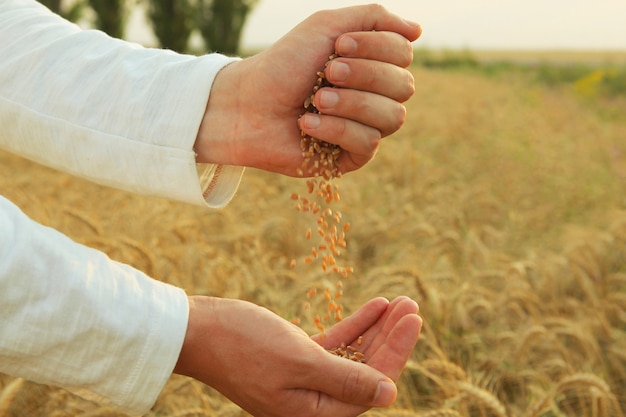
<point x="472" y="24"/>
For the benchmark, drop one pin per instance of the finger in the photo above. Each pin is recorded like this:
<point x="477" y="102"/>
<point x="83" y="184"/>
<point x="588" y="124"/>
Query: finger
<point x="353" y="326"/>
<point x="359" y="142"/>
<point x="399" y="307"/>
<point x="367" y="385"/>
<point x="377" y="46"/>
<point x="374" y="76"/>
<point x="391" y="357"/>
<point x="348" y="381"/>
<point x="378" y="334"/>
<point x="374" y="110"/>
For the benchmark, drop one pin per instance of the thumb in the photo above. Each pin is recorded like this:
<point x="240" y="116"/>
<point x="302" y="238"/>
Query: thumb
<point x="355" y="383"/>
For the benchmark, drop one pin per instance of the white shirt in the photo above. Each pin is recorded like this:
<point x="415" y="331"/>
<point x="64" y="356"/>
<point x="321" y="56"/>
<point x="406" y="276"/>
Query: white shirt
<point x="120" y="115"/>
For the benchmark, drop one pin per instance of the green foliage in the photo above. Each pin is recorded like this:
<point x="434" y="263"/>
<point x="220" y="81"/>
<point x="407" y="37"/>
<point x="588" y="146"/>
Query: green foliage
<point x="445" y="59"/>
<point x="71" y="13"/>
<point x="588" y="79"/>
<point x="111" y="16"/>
<point x="613" y="82"/>
<point x="221" y="23"/>
<point x="559" y="74"/>
<point x="172" y="22"/>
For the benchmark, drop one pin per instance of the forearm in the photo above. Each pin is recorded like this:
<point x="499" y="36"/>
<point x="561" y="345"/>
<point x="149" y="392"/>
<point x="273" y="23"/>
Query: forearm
<point x="104" y="109"/>
<point x="66" y="317"/>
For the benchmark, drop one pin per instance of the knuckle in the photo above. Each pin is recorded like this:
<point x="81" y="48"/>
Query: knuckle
<point x="397" y="120"/>
<point x="407" y="88"/>
<point x="373" y="142"/>
<point x="377" y="9"/>
<point x="400" y="117"/>
<point x="321" y="15"/>
<point x="341" y="129"/>
<point x="354" y="389"/>
<point x="410" y="86"/>
<point x="407" y="54"/>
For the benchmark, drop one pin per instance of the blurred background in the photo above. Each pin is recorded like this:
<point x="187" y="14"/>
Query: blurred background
<point x="451" y="24"/>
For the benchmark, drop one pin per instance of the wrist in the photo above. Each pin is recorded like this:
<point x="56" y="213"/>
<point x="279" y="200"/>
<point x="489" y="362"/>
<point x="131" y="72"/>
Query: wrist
<point x="186" y="363"/>
<point x="219" y="124"/>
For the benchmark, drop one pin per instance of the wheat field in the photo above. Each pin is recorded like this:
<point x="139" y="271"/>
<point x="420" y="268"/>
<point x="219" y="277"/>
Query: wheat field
<point x="500" y="207"/>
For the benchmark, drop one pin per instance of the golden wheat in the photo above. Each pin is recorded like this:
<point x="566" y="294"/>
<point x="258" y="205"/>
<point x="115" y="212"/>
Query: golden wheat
<point x="443" y="369"/>
<point x="482" y="398"/>
<point x="585" y="391"/>
<point x="192" y="412"/>
<point x="444" y="412"/>
<point x="502" y="215"/>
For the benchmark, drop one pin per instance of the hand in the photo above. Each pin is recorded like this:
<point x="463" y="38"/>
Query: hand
<point x="254" y="105"/>
<point x="270" y="367"/>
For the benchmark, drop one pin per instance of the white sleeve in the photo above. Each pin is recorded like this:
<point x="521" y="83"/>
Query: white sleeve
<point x="107" y="110"/>
<point x="74" y="318"/>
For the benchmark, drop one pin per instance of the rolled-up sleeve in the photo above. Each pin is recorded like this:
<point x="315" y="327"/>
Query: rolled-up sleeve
<point x="72" y="317"/>
<point x="123" y="116"/>
<point x="107" y="110"/>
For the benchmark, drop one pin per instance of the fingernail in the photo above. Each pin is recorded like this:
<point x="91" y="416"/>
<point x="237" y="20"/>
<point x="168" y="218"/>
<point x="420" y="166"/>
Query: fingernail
<point x="310" y="121"/>
<point x="385" y="394"/>
<point x="339" y="71"/>
<point x="328" y="98"/>
<point x="346" y="46"/>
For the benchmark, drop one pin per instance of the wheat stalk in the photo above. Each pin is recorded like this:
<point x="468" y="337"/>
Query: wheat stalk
<point x="83" y="218"/>
<point x="443" y="368"/>
<point x="483" y="397"/>
<point x="584" y="380"/>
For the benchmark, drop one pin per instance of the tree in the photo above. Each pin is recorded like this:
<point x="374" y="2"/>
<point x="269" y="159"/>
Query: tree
<point x="111" y="16"/>
<point x="221" y="23"/>
<point x="172" y="22"/>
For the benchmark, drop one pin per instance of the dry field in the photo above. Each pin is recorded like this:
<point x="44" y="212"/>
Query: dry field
<point x="594" y="57"/>
<point x="500" y="207"/>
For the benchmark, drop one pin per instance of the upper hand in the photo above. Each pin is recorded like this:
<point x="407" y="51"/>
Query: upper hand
<point x="271" y="368"/>
<point x="254" y="105"/>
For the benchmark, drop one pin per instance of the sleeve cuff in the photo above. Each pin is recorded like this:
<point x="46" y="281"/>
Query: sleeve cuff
<point x="218" y="183"/>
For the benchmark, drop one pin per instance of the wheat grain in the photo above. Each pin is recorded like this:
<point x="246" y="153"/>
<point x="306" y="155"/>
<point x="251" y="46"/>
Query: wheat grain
<point x="348" y="352"/>
<point x="319" y="161"/>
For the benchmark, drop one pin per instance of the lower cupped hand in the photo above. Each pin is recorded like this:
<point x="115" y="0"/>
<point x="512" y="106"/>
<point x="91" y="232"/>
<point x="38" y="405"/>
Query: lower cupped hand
<point x="271" y="367"/>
